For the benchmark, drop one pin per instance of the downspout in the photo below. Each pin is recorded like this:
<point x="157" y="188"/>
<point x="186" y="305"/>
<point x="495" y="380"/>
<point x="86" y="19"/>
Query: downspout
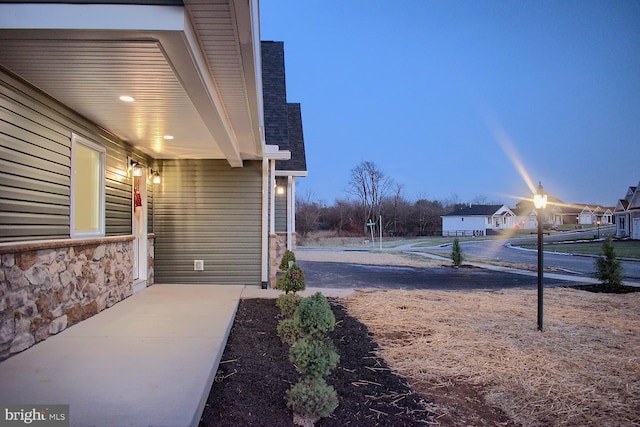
<point x="264" y="271"/>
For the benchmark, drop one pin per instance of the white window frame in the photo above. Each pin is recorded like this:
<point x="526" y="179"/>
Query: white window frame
<point x="76" y="139"/>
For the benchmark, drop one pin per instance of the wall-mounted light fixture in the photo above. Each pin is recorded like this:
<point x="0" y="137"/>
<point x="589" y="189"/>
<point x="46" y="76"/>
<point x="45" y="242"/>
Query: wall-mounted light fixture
<point x="280" y="190"/>
<point x="136" y="168"/>
<point x="155" y="177"/>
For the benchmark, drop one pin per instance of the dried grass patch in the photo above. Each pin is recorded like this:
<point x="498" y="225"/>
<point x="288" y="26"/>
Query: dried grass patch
<point x="369" y="258"/>
<point x="584" y="369"/>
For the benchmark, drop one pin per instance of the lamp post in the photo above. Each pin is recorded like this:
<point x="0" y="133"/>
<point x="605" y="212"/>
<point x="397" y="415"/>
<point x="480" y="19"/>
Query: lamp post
<point x="540" y="202"/>
<point x="598" y="222"/>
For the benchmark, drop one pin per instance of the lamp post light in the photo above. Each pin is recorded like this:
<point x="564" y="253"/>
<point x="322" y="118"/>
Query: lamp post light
<point x="540" y="202"/>
<point x="598" y="222"/>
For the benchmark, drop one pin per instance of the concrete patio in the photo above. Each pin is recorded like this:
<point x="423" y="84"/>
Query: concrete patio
<point x="147" y="361"/>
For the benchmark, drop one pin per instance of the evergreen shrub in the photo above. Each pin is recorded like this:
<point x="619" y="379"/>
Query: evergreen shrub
<point x="288" y="303"/>
<point x="608" y="267"/>
<point x="292" y="280"/>
<point x="313" y="357"/>
<point x="314" y="316"/>
<point x="456" y="253"/>
<point x="312" y="398"/>
<point x="287" y="331"/>
<point x="287" y="257"/>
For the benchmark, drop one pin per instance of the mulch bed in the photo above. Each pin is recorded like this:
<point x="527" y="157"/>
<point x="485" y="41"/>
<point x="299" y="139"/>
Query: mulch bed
<point x="255" y="372"/>
<point x="598" y="288"/>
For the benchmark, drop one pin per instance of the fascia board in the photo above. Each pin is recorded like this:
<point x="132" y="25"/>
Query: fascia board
<point x="291" y="173"/>
<point x="247" y="22"/>
<point x="56" y="16"/>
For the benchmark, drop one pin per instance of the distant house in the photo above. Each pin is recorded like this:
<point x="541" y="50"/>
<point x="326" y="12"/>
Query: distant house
<point x="598" y="214"/>
<point x="627" y="214"/>
<point x="561" y="213"/>
<point x="527" y="215"/>
<point x="478" y="220"/>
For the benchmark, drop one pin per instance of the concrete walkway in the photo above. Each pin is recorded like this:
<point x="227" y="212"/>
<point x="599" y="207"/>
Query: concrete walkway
<point x="149" y="360"/>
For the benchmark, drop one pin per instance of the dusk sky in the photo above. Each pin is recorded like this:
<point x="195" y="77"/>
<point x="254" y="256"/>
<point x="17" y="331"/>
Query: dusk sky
<point x="447" y="97"/>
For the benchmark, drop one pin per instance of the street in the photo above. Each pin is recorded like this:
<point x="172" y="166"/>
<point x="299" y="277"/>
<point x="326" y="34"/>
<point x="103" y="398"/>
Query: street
<point x="358" y="276"/>
<point x="503" y="250"/>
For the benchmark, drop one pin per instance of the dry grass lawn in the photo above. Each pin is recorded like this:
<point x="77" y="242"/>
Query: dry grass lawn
<point x="584" y="369"/>
<point x="369" y="258"/>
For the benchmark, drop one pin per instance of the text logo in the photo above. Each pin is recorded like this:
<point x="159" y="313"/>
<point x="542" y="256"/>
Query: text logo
<point x="34" y="415"/>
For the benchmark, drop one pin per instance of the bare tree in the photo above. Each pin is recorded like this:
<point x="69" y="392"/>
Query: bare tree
<point x="307" y="214"/>
<point x="341" y="217"/>
<point x="370" y="185"/>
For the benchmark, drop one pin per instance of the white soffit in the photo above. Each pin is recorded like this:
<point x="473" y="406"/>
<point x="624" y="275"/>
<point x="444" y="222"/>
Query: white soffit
<point x="86" y="56"/>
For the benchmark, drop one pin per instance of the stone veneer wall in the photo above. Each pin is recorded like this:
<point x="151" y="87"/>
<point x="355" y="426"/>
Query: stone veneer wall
<point x="277" y="247"/>
<point x="48" y="286"/>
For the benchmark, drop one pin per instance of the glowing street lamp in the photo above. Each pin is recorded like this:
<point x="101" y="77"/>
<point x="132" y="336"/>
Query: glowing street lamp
<point x="540" y="202"/>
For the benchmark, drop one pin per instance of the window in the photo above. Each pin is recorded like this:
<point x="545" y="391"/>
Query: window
<point x="87" y="188"/>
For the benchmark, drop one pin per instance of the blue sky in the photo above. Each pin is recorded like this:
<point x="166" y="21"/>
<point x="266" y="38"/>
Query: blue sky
<point x="447" y="97"/>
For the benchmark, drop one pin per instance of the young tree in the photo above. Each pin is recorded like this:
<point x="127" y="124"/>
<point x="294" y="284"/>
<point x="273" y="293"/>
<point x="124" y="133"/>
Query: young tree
<point x="456" y="253"/>
<point x="370" y="185"/>
<point x="608" y="267"/>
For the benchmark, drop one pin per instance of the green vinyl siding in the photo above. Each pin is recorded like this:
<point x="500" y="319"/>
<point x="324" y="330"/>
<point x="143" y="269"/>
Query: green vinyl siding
<point x="35" y="166"/>
<point x="206" y="210"/>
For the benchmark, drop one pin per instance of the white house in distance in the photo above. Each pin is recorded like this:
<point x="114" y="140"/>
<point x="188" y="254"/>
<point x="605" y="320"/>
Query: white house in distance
<point x="478" y="220"/>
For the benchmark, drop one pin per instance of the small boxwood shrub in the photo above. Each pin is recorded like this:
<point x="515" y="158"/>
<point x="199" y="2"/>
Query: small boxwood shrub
<point x="314" y="316"/>
<point x="292" y="280"/>
<point x="287" y="257"/>
<point x="288" y="303"/>
<point x="287" y="331"/>
<point x="312" y="399"/>
<point x="313" y="357"/>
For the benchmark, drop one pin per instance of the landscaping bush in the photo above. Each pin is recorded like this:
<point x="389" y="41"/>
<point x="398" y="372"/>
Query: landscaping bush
<point x="314" y="316"/>
<point x="288" y="257"/>
<point x="456" y="253"/>
<point x="288" y="303"/>
<point x="287" y="331"/>
<point x="292" y="280"/>
<point x="313" y="357"/>
<point x="608" y="267"/>
<point x="311" y="399"/>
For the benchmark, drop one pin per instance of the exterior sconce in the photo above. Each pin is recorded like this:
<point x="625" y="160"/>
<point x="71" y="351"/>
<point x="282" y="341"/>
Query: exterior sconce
<point x="280" y="190"/>
<point x="136" y="167"/>
<point x="155" y="177"/>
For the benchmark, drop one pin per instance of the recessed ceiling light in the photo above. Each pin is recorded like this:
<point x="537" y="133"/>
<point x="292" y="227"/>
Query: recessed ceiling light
<point x="127" y="98"/>
<point x="168" y="137"/>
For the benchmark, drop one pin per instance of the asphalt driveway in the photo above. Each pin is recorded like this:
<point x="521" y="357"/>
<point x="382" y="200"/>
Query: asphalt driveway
<point x="343" y="275"/>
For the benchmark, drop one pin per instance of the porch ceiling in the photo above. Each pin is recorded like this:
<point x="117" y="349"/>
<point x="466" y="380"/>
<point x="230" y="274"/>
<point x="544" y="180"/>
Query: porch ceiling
<point x="192" y="71"/>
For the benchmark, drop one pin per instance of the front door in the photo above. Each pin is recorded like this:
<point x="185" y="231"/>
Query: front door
<point x="139" y="229"/>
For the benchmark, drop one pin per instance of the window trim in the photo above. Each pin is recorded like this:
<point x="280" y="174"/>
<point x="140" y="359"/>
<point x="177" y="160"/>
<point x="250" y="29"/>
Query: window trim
<point x="77" y="139"/>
